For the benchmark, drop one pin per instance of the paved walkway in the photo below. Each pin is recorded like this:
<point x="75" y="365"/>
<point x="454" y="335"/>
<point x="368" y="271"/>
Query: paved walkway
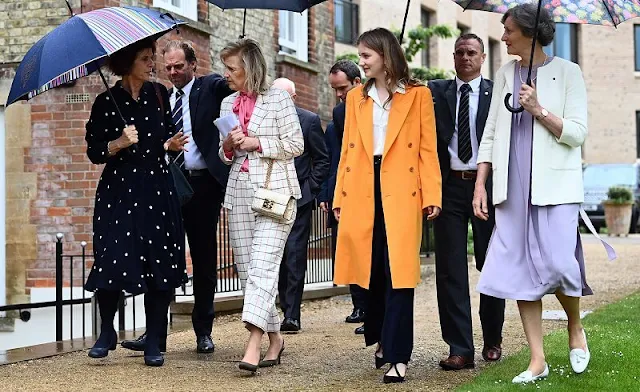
<point x="325" y="356"/>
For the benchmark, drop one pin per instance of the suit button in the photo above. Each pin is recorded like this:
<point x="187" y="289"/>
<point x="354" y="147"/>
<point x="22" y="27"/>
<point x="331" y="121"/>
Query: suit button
<point x="348" y="169"/>
<point x="351" y="145"/>
<point x="344" y="193"/>
<point x="410" y="145"/>
<point x="411" y="169"/>
<point x="413" y="194"/>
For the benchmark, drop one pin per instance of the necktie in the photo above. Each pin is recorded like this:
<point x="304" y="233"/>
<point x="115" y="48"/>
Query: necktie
<point x="176" y="114"/>
<point x="464" y="130"/>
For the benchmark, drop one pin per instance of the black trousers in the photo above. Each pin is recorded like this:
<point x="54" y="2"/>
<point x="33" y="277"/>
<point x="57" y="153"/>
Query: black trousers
<point x="452" y="278"/>
<point x="389" y="319"/>
<point x="200" y="217"/>
<point x="294" y="263"/>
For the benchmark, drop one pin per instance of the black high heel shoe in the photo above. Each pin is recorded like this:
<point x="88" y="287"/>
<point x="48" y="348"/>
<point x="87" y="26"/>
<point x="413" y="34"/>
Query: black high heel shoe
<point x="272" y="362"/>
<point x="380" y="362"/>
<point x="393" y="379"/>
<point x="248" y="367"/>
<point x="101" y="352"/>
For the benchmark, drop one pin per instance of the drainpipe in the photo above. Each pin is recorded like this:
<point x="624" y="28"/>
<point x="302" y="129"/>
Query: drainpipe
<point x="3" y="218"/>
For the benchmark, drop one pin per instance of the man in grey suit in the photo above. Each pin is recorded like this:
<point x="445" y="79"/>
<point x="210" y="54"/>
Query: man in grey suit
<point x="312" y="168"/>
<point x="461" y="107"/>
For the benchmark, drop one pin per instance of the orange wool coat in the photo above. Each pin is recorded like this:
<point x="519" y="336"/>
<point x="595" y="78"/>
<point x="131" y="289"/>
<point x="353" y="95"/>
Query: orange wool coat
<point x="410" y="181"/>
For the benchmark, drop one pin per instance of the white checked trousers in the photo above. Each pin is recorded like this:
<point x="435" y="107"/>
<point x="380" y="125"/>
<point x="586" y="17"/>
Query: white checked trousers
<point x="258" y="244"/>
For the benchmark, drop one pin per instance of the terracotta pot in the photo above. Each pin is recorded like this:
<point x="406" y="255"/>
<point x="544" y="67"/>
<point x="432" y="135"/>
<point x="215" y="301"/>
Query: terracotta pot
<point x="618" y="218"/>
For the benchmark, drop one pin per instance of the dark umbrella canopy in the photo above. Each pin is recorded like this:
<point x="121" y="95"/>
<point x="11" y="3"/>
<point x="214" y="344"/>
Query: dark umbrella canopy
<point x="285" y="5"/>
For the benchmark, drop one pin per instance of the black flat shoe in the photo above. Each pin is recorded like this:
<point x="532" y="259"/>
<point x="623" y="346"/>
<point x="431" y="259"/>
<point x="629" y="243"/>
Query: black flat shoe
<point x="359" y="330"/>
<point x="248" y="367"/>
<point x="153" y="360"/>
<point x="380" y="362"/>
<point x="101" y="352"/>
<point x="204" y="345"/>
<point x="357" y="316"/>
<point x="272" y="362"/>
<point x="393" y="379"/>
<point x="290" y="325"/>
<point x="140" y="343"/>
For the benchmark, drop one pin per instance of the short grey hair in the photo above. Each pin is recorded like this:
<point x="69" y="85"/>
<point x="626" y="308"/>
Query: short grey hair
<point x="254" y="63"/>
<point x="524" y="16"/>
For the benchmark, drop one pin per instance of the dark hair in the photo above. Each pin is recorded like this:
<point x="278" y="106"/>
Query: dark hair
<point x="385" y="43"/>
<point x="121" y="62"/>
<point x="348" y="67"/>
<point x="468" y="36"/>
<point x="524" y="16"/>
<point x="185" y="46"/>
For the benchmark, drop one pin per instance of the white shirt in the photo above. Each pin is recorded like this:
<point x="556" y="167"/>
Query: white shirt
<point x="380" y="118"/>
<point x="474" y="97"/>
<point x="193" y="159"/>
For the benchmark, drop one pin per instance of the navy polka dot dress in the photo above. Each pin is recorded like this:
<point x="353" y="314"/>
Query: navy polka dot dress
<point x="138" y="239"/>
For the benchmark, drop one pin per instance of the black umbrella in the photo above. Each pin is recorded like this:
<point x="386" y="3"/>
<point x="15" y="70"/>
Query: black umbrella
<point x="285" y="5"/>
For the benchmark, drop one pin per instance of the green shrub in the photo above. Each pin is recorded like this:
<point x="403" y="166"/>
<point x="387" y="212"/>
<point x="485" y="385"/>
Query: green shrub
<point x="619" y="195"/>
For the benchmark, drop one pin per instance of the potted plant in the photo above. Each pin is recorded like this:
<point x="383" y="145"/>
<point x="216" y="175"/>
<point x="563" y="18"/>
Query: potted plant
<point x="618" y="209"/>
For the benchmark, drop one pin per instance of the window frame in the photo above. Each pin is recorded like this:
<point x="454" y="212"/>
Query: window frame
<point x="297" y="47"/>
<point x="347" y="37"/>
<point x="187" y="8"/>
<point x="573" y="43"/>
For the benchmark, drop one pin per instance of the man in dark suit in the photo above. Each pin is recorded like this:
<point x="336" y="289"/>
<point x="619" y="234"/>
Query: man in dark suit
<point x="344" y="75"/>
<point x="312" y="168"/>
<point x="461" y="107"/>
<point x="195" y="103"/>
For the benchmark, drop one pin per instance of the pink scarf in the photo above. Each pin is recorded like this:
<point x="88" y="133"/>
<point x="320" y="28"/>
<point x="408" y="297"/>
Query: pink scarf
<point x="243" y="108"/>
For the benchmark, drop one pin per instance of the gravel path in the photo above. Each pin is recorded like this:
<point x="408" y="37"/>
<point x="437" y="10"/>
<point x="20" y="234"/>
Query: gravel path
<point x="325" y="356"/>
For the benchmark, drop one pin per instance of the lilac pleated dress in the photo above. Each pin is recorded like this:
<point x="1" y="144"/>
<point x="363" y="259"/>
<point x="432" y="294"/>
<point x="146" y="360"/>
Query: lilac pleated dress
<point x="534" y="250"/>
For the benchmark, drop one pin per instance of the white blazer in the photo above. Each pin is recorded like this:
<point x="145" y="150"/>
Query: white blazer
<point x="275" y="123"/>
<point x="556" y="163"/>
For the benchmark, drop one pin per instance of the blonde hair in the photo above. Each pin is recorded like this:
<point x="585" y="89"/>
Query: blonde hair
<point x="253" y="61"/>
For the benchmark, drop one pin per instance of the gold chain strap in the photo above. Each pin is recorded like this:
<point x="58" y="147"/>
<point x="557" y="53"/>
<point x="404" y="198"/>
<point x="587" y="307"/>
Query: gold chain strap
<point x="267" y="180"/>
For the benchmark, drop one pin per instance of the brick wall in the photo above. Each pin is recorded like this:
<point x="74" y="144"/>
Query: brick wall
<point x="50" y="182"/>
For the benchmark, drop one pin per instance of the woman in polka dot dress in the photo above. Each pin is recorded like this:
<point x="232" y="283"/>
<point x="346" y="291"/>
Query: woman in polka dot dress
<point x="138" y="236"/>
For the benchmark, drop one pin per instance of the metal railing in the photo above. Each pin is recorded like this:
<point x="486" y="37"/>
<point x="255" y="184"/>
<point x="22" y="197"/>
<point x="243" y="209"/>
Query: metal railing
<point x="347" y="16"/>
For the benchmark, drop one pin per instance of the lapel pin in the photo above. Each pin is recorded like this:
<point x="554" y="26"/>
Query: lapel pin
<point x="486" y="93"/>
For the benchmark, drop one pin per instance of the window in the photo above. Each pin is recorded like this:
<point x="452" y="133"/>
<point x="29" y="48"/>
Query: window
<point x="425" y="21"/>
<point x="494" y="57"/>
<point x="346" y="21"/>
<point x="186" y="8"/>
<point x="565" y="44"/>
<point x="294" y="34"/>
<point x="463" y="29"/>
<point x="636" y="45"/>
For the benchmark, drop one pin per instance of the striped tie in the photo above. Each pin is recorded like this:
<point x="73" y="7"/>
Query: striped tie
<point x="464" y="130"/>
<point x="176" y="114"/>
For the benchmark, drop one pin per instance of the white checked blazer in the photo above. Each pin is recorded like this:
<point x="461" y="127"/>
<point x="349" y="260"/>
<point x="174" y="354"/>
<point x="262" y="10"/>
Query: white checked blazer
<point x="276" y="124"/>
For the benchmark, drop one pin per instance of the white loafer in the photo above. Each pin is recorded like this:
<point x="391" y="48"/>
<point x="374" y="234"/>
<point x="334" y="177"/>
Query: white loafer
<point x="527" y="376"/>
<point x="579" y="358"/>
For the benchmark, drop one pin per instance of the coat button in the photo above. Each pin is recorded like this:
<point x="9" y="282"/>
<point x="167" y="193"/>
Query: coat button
<point x="411" y="169"/>
<point x="413" y="194"/>
<point x="410" y="145"/>
<point x="351" y="145"/>
<point x="344" y="193"/>
<point x="348" y="169"/>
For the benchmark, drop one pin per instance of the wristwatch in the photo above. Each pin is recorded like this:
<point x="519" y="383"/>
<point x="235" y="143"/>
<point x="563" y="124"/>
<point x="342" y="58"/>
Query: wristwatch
<point x="544" y="112"/>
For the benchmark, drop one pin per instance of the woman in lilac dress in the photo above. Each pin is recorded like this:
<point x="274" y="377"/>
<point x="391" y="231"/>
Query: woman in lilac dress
<point x="535" y="160"/>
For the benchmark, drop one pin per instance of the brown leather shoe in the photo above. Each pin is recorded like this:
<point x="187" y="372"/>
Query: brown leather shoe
<point x="457" y="362"/>
<point x="492" y="353"/>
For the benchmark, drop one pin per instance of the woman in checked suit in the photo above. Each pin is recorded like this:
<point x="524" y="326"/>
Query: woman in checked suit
<point x="269" y="130"/>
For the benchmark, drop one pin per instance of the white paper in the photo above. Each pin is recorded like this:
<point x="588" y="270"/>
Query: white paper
<point x="226" y="123"/>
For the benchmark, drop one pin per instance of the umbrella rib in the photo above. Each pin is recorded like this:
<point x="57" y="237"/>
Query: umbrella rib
<point x="610" y="14"/>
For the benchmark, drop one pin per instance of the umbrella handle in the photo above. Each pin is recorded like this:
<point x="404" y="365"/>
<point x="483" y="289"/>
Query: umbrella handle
<point x="510" y="108"/>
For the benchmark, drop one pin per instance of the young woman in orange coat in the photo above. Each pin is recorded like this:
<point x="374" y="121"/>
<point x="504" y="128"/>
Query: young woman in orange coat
<point x="388" y="178"/>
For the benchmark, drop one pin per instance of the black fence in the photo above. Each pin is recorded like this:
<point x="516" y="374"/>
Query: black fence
<point x="71" y="270"/>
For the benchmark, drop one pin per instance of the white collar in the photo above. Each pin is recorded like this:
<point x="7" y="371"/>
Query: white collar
<point x="373" y="93"/>
<point x="187" y="88"/>
<point x="474" y="84"/>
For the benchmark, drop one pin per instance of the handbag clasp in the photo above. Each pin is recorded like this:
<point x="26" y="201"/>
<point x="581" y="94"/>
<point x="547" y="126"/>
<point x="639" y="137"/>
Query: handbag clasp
<point x="267" y="204"/>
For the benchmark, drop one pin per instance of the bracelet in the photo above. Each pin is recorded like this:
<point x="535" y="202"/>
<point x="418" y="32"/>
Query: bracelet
<point x="109" y="151"/>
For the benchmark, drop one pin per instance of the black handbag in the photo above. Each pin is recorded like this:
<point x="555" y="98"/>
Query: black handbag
<point x="183" y="188"/>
